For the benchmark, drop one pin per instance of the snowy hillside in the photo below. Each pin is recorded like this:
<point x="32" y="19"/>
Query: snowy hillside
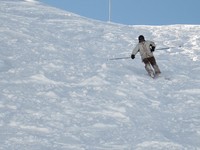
<point x="59" y="91"/>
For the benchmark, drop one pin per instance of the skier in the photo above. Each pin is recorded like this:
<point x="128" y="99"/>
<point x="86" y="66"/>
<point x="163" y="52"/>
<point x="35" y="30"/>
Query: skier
<point x="146" y="49"/>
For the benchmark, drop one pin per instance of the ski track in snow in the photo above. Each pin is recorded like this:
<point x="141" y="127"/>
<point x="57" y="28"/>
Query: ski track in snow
<point x="59" y="91"/>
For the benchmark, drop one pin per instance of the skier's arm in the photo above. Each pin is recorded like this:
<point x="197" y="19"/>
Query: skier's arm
<point x="152" y="46"/>
<point x="152" y="43"/>
<point x="134" y="52"/>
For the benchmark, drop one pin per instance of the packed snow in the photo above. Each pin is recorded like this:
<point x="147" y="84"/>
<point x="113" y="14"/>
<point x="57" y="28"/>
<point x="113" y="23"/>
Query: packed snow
<point x="60" y="91"/>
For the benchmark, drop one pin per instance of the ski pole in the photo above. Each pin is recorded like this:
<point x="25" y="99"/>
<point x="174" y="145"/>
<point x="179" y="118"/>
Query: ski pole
<point x="166" y="48"/>
<point x="120" y="58"/>
<point x="163" y="48"/>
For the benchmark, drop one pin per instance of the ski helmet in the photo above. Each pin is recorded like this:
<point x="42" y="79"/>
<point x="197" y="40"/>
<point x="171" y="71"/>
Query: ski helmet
<point x="141" y="38"/>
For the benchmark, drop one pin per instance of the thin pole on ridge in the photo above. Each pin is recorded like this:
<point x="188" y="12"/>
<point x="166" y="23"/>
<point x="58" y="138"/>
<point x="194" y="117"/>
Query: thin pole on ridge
<point x="109" y="11"/>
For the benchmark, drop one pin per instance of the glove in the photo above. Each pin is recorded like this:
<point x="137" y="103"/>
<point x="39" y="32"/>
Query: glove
<point x="152" y="48"/>
<point x="132" y="56"/>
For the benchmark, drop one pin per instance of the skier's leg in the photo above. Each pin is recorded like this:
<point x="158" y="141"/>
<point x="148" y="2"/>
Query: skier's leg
<point x="156" y="68"/>
<point x="154" y="65"/>
<point x="148" y="68"/>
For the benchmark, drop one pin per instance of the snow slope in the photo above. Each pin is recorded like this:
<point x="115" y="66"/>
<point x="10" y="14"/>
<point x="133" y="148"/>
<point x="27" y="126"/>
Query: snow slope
<point x="58" y="91"/>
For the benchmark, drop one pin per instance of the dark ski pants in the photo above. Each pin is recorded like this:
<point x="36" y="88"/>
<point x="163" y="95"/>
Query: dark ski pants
<point x="151" y="63"/>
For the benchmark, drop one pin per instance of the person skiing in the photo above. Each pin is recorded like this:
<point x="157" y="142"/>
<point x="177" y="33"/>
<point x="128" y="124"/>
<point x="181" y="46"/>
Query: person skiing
<point x="146" y="49"/>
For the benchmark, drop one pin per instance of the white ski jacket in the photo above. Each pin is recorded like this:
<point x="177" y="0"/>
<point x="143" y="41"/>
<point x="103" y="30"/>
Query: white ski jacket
<point x="144" y="49"/>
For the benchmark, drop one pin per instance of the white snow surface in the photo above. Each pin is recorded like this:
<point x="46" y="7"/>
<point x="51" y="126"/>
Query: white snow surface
<point x="59" y="91"/>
